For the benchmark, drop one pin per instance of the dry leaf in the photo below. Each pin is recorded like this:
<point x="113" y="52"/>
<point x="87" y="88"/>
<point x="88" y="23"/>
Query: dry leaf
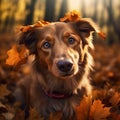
<point x="3" y="91"/>
<point x="19" y="115"/>
<point x="34" y="115"/>
<point x="17" y="55"/>
<point x="82" y="111"/>
<point x="72" y="16"/>
<point x="115" y="99"/>
<point x="98" y="111"/>
<point x="55" y="116"/>
<point x="115" y="116"/>
<point x="102" y="35"/>
<point x="40" y="23"/>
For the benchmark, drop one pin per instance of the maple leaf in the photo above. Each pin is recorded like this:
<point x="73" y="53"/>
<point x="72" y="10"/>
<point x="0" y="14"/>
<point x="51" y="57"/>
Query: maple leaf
<point x="3" y="91"/>
<point x="71" y="16"/>
<point x="17" y="55"/>
<point x="115" y="116"/>
<point x="98" y="111"/>
<point x="40" y="23"/>
<point x="115" y="99"/>
<point x="34" y="115"/>
<point x="82" y="111"/>
<point x="55" y="116"/>
<point x="19" y="114"/>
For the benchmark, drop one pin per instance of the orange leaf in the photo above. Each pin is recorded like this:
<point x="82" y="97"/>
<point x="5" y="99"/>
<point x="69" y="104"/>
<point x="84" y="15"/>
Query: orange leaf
<point x="82" y="111"/>
<point x="27" y="28"/>
<point x="115" y="99"/>
<point x="3" y="91"/>
<point x="98" y="111"/>
<point x="17" y="55"/>
<point x="115" y="116"/>
<point x="55" y="116"/>
<point x="102" y="35"/>
<point x="34" y="115"/>
<point x="71" y="16"/>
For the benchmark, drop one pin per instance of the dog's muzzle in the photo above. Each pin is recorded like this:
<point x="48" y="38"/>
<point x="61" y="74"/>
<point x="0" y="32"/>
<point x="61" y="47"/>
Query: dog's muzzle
<point x="65" y="67"/>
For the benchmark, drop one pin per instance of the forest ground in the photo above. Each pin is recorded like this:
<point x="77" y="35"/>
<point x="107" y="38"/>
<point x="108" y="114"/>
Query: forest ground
<point x="106" y="76"/>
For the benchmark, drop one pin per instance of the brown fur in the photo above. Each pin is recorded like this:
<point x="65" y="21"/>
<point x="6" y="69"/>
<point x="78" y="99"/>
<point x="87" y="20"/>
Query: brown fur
<point x="45" y="72"/>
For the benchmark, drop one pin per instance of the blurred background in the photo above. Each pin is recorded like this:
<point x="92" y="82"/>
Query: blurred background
<point x="106" y="74"/>
<point x="23" y="12"/>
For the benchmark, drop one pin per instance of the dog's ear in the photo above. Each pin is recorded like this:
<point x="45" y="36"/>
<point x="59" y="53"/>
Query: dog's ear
<point x="29" y="39"/>
<point x="86" y="26"/>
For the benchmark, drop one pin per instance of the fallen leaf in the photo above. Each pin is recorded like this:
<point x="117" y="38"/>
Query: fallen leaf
<point x="82" y="111"/>
<point x="55" y="116"/>
<point x="115" y="99"/>
<point x="34" y="115"/>
<point x="40" y="23"/>
<point x="3" y="91"/>
<point x="17" y="55"/>
<point x="72" y="16"/>
<point x="98" y="111"/>
<point x="115" y="116"/>
<point x="19" y="115"/>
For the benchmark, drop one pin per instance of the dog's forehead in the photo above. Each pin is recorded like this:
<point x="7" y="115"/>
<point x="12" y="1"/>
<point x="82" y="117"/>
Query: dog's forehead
<point x="57" y="27"/>
<point x="61" y="25"/>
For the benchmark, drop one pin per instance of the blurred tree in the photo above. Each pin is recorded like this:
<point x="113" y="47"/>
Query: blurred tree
<point x="0" y="10"/>
<point x="95" y="10"/>
<point x="30" y="7"/>
<point x="63" y="9"/>
<point x="83" y="8"/>
<point x="9" y="20"/>
<point x="102" y="18"/>
<point x="50" y="10"/>
<point x="112" y="21"/>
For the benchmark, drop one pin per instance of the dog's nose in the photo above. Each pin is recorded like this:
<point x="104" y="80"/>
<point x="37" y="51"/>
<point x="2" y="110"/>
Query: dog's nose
<point x="64" y="66"/>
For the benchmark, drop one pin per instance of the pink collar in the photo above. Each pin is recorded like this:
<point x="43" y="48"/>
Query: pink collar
<point x="57" y="95"/>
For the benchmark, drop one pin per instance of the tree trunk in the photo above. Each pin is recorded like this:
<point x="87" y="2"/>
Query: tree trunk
<point x="30" y="15"/>
<point x="95" y="10"/>
<point x="102" y="18"/>
<point x="83" y="8"/>
<point x="63" y="9"/>
<point x="50" y="10"/>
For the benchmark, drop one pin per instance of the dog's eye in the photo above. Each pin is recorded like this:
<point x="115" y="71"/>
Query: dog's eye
<point x="46" y="45"/>
<point x="71" y="40"/>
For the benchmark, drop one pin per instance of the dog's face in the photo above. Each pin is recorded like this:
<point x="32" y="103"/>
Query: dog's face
<point x="60" y="47"/>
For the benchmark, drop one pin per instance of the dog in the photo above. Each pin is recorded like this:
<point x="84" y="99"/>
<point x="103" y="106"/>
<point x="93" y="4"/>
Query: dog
<point x="60" y="71"/>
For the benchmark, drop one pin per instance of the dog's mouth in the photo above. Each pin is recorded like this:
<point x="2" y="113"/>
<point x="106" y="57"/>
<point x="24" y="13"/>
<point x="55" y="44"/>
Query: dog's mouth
<point x="67" y="74"/>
